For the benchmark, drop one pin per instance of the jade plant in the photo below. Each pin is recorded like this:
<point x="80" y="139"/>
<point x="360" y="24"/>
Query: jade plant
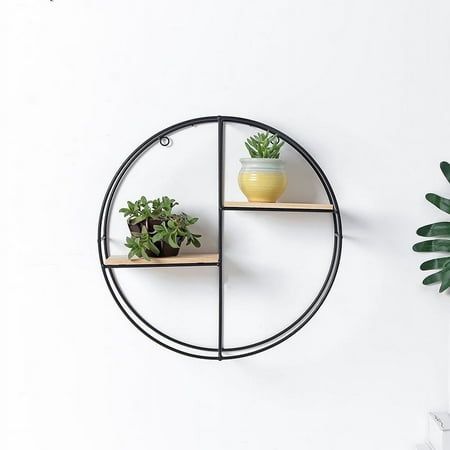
<point x="264" y="145"/>
<point x="441" y="231"/>
<point x="141" y="245"/>
<point x="175" y="230"/>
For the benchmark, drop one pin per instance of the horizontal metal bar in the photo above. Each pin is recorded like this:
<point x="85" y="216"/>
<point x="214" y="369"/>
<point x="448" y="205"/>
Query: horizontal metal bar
<point x="243" y="208"/>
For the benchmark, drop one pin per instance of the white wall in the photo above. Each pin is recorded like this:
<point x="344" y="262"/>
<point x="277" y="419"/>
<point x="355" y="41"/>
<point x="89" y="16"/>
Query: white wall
<point x="364" y="85"/>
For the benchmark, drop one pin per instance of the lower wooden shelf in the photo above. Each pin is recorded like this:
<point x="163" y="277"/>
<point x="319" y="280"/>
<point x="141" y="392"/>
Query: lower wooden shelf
<point x="194" y="259"/>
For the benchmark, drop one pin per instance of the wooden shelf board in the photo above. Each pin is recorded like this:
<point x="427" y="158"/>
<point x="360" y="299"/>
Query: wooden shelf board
<point x="279" y="206"/>
<point x="194" y="259"/>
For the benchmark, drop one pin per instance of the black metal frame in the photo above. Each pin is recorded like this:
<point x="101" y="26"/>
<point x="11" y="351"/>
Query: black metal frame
<point x="220" y="352"/>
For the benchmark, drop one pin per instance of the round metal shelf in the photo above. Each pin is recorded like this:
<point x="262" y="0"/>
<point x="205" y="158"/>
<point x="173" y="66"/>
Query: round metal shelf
<point x="220" y="352"/>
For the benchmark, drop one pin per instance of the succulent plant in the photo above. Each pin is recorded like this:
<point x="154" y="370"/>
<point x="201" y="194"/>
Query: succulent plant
<point x="264" y="145"/>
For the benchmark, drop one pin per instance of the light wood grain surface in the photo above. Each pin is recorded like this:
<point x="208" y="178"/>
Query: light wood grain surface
<point x="197" y="258"/>
<point x="299" y="206"/>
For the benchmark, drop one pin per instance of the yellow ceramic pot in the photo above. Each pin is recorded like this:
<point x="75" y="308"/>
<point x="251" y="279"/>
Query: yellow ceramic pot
<point x="262" y="179"/>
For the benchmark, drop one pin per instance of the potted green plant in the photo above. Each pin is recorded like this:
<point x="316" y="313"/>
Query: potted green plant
<point x="155" y="229"/>
<point x="173" y="232"/>
<point x="141" y="245"/>
<point x="262" y="177"/>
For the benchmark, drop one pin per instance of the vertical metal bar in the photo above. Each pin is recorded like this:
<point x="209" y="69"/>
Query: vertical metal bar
<point x="220" y="237"/>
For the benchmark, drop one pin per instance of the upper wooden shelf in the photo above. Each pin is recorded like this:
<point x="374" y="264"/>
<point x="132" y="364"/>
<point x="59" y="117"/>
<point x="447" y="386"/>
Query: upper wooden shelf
<point x="195" y="259"/>
<point x="316" y="207"/>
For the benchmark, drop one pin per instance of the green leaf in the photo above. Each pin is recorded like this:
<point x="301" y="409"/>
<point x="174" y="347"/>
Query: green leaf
<point x="434" y="245"/>
<point x="153" y="248"/>
<point x="172" y="240"/>
<point x="435" y="278"/>
<point x="440" y="202"/>
<point x="145" y="255"/>
<point x="157" y="237"/>
<point x="435" y="229"/>
<point x="445" y="167"/>
<point x="137" y="220"/>
<point x="437" y="263"/>
<point x="445" y="279"/>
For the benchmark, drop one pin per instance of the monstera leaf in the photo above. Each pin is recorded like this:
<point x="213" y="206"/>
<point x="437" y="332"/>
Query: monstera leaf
<point x="439" y="230"/>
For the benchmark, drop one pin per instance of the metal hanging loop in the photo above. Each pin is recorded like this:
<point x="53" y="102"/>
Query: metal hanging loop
<point x="165" y="141"/>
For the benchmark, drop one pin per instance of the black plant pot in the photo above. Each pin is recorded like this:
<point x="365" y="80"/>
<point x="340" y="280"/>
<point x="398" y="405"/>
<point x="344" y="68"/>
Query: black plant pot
<point x="149" y="224"/>
<point x="167" y="250"/>
<point x="135" y="228"/>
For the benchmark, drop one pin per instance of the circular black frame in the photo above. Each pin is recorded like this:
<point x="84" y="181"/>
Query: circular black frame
<point x="220" y="352"/>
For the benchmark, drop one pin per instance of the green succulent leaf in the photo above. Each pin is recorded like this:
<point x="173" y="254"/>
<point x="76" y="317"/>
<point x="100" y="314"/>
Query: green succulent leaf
<point x="442" y="203"/>
<point x="157" y="237"/>
<point x="153" y="248"/>
<point x="171" y="240"/>
<point x="137" y="220"/>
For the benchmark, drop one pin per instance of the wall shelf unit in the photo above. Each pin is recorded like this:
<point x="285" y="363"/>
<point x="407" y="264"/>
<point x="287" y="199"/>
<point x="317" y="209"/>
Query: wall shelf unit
<point x="110" y="263"/>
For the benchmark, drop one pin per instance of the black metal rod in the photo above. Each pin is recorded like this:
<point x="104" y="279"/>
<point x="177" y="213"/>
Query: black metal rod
<point x="262" y="208"/>
<point x="220" y="236"/>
